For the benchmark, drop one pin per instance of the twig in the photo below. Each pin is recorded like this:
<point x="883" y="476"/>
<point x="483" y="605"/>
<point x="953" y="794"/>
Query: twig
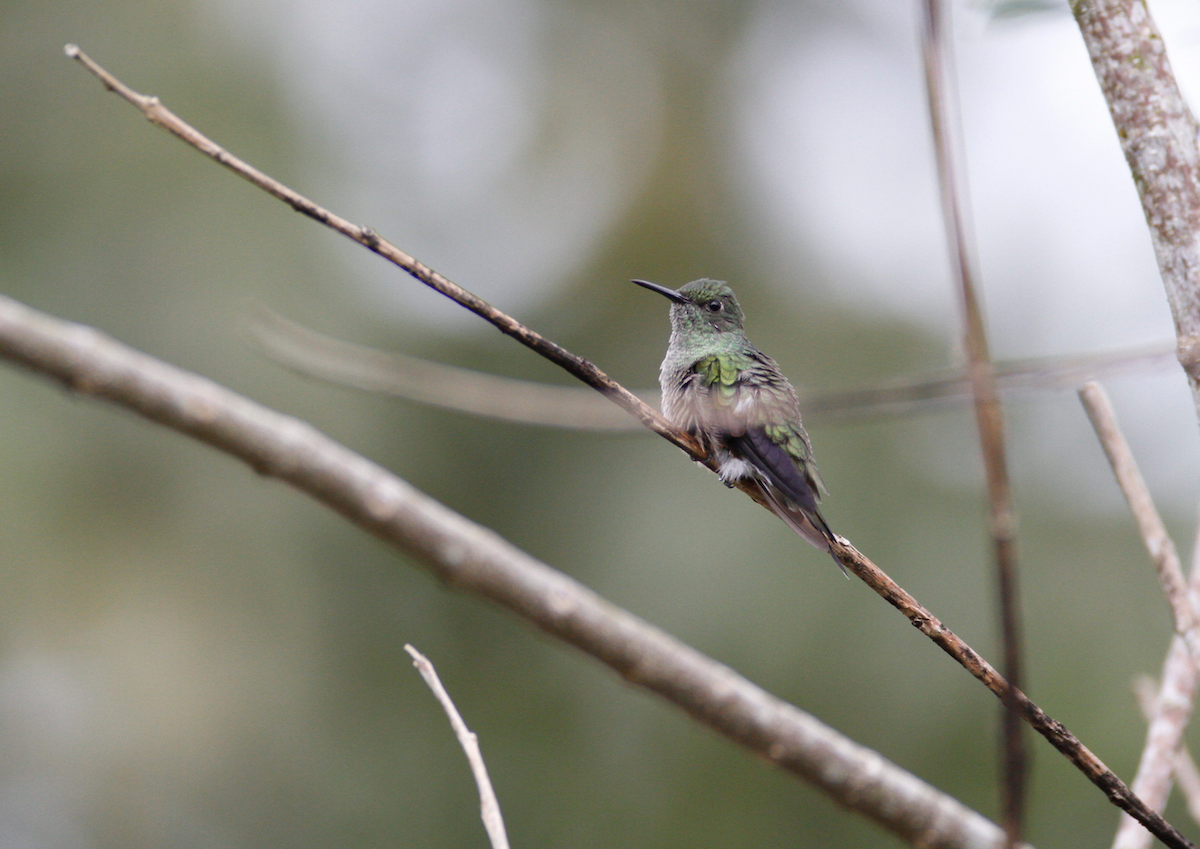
<point x="489" y="808"/>
<point x="1055" y="732"/>
<point x="313" y="354"/>
<point x="1159" y="137"/>
<point x="161" y="116"/>
<point x="989" y="417"/>
<point x="1154" y="534"/>
<point x="1179" y="759"/>
<point x="473" y="559"/>
<point x="1171" y="711"/>
<point x="1152" y="782"/>
<point x="1187" y="778"/>
<point x="518" y="597"/>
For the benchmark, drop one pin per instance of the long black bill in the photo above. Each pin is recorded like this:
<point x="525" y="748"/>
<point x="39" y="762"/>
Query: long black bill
<point x="662" y="290"/>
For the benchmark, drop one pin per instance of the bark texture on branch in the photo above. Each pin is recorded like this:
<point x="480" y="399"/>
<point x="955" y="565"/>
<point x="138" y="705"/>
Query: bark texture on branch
<point x="1158" y="135"/>
<point x="472" y="558"/>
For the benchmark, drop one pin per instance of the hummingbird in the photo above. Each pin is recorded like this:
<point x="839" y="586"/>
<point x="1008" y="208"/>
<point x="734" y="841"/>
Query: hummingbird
<point x="732" y="397"/>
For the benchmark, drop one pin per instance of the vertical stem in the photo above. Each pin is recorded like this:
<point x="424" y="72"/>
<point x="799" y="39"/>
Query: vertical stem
<point x="989" y="417"/>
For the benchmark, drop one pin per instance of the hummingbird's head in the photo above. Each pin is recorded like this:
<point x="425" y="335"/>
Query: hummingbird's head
<point x="702" y="306"/>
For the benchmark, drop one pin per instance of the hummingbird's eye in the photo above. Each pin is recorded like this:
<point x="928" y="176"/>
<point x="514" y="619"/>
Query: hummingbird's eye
<point x="714" y="306"/>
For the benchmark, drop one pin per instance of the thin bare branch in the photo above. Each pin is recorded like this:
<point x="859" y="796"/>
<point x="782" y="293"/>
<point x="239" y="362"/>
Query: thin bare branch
<point x="1154" y="533"/>
<point x="1187" y="778"/>
<point x="989" y="417"/>
<point x="1161" y="142"/>
<point x="161" y="116"/>
<point x="1165" y="751"/>
<point x="312" y="354"/>
<point x="1179" y="760"/>
<point x="908" y="395"/>
<point x="489" y="808"/>
<point x="1173" y="710"/>
<point x="510" y="589"/>
<point x="473" y="559"/>
<point x="1055" y="732"/>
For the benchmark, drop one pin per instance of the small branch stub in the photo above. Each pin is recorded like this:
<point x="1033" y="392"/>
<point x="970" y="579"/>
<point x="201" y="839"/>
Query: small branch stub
<point x="489" y="807"/>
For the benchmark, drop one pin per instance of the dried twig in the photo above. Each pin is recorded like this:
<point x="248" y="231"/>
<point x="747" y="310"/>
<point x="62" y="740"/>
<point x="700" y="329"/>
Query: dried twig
<point x="1180" y="760"/>
<point x="1170" y="711"/>
<point x="1154" y="533"/>
<point x="1159" y="136"/>
<point x="1173" y="705"/>
<point x="848" y="556"/>
<point x="154" y="111"/>
<point x="989" y="417"/>
<point x="489" y="808"/>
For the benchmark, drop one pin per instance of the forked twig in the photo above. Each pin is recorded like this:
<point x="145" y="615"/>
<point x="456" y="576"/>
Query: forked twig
<point x="1170" y="710"/>
<point x="1062" y="739"/>
<point x="489" y="808"/>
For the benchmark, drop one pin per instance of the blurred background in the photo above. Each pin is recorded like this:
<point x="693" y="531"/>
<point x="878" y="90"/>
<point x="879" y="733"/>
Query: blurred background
<point x="193" y="656"/>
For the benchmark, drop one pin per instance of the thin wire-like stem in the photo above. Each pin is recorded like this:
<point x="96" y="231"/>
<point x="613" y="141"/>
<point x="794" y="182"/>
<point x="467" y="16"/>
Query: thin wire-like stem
<point x="989" y="417"/>
<point x="489" y="807"/>
<point x="313" y="354"/>
<point x="1062" y="739"/>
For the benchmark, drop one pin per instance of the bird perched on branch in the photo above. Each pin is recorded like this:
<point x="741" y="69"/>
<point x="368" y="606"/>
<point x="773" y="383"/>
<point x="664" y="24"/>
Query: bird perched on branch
<point x="731" y="396"/>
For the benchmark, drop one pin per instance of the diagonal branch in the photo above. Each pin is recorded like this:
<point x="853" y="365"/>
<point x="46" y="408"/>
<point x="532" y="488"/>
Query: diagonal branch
<point x="1175" y="700"/>
<point x="1176" y="696"/>
<point x="473" y="559"/>
<point x="1154" y="533"/>
<point x="154" y="111"/>
<point x="519" y="598"/>
<point x="1187" y="776"/>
